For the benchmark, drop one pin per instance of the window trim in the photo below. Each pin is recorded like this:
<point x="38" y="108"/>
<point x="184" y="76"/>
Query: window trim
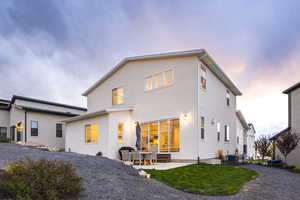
<point x="202" y="128"/>
<point x="117" y="96"/>
<point x="218" y="131"/>
<point x="203" y="75"/>
<point x="163" y="80"/>
<point x="57" y="130"/>
<point x="5" y="128"/>
<point x="226" y="134"/>
<point x="122" y="133"/>
<point x="148" y="123"/>
<point x="85" y="136"/>
<point x="37" y="129"/>
<point x="227" y="96"/>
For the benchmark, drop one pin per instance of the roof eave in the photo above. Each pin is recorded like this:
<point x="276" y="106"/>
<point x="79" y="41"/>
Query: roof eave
<point x="227" y="81"/>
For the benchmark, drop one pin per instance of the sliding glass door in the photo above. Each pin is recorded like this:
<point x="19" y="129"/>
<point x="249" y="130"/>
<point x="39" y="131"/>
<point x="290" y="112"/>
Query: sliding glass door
<point x="161" y="136"/>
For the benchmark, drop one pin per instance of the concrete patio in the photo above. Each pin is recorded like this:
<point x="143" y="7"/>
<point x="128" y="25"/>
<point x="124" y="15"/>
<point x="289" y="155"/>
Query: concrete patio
<point x="162" y="166"/>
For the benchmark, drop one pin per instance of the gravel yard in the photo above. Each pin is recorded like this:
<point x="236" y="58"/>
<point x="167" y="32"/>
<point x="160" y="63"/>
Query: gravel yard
<point x="112" y="180"/>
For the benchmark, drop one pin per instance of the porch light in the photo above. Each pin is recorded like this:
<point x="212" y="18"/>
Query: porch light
<point x="186" y="117"/>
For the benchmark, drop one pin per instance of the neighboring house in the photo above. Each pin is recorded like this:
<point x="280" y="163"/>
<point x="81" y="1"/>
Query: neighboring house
<point x="185" y="104"/>
<point x="245" y="137"/>
<point x="293" y="123"/>
<point x="4" y="118"/>
<point x="24" y="119"/>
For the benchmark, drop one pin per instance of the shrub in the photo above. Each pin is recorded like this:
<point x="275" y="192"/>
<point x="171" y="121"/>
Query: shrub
<point x="43" y="179"/>
<point x="279" y="165"/>
<point x="4" y="140"/>
<point x="220" y="154"/>
<point x="289" y="167"/>
<point x="297" y="170"/>
<point x="99" y="153"/>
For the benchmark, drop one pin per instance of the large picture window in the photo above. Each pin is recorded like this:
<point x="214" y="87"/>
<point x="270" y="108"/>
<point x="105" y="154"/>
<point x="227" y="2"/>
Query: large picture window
<point x="161" y="136"/>
<point x="91" y="133"/>
<point x="34" y="128"/>
<point x="117" y="96"/>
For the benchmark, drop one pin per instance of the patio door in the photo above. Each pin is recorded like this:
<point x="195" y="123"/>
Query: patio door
<point x="161" y="136"/>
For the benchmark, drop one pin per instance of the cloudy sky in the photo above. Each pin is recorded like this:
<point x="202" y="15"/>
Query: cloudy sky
<point x="56" y="49"/>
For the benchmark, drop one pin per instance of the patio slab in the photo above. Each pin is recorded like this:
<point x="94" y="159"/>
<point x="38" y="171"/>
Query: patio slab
<point x="162" y="166"/>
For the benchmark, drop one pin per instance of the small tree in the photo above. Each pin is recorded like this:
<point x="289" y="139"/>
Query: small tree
<point x="287" y="142"/>
<point x="263" y="146"/>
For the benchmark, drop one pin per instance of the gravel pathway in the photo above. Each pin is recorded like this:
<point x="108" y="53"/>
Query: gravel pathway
<point x="112" y="180"/>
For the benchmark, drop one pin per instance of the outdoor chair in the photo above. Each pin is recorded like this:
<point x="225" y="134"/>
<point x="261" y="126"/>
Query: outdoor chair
<point x="154" y="157"/>
<point x="125" y="155"/>
<point x="148" y="158"/>
<point x="136" y="156"/>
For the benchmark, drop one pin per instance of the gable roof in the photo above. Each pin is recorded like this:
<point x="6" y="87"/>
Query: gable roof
<point x="15" y="97"/>
<point x="292" y="88"/>
<point x="280" y="133"/>
<point x="4" y="100"/>
<point x="198" y="52"/>
<point x="242" y="119"/>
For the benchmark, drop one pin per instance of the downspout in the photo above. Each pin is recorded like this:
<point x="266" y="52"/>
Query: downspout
<point x="25" y="126"/>
<point x="197" y="115"/>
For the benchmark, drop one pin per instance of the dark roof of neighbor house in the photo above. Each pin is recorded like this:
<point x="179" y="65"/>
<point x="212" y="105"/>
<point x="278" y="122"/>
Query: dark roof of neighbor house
<point x="292" y="88"/>
<point x="45" y="102"/>
<point x="197" y="52"/>
<point x="54" y="112"/>
<point x="7" y="101"/>
<point x="280" y="133"/>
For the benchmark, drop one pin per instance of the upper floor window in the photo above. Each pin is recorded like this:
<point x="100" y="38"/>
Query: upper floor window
<point x="117" y="96"/>
<point x="203" y="77"/>
<point x="218" y="131"/>
<point x="202" y="126"/>
<point x="237" y="139"/>
<point x="227" y="98"/>
<point x="34" y="128"/>
<point x="91" y="133"/>
<point x="120" y="132"/>
<point x="226" y="129"/>
<point x="159" y="80"/>
<point x="58" y="130"/>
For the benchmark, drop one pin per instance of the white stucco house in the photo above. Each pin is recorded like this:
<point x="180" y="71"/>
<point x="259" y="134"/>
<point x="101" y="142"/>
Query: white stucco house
<point x="245" y="138"/>
<point x="293" y="125"/>
<point x="184" y="102"/>
<point x="24" y="119"/>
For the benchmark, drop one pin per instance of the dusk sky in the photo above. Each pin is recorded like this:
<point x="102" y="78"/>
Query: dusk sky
<point x="55" y="50"/>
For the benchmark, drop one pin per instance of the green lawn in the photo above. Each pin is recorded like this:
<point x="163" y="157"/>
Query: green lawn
<point x="205" y="179"/>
